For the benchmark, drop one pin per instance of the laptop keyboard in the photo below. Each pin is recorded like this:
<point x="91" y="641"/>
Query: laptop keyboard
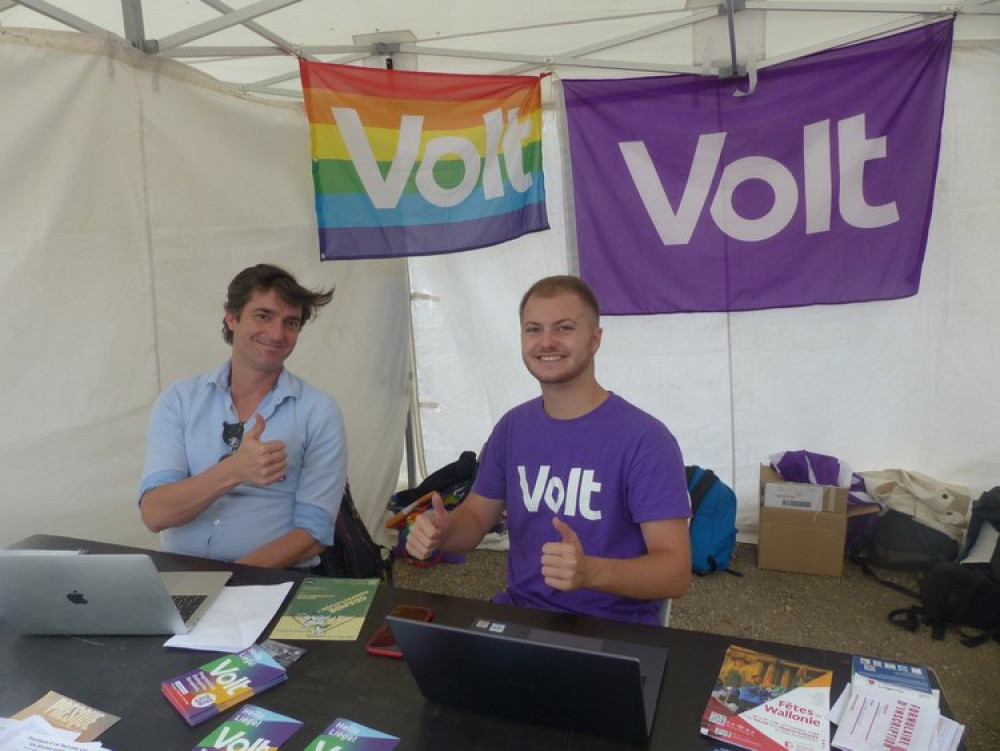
<point x="187" y="604"/>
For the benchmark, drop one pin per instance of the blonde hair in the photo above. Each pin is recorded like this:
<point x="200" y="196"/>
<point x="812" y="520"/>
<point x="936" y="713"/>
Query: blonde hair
<point x="551" y="286"/>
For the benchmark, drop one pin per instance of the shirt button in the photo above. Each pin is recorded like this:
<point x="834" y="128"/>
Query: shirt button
<point x="217" y="522"/>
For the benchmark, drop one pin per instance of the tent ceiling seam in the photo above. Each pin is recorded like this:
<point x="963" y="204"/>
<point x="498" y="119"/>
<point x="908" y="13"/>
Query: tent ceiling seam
<point x="147" y="225"/>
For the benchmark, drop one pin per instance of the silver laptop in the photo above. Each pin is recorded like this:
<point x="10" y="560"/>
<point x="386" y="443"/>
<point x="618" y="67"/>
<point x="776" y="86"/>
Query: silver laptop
<point x="601" y="686"/>
<point x="44" y="592"/>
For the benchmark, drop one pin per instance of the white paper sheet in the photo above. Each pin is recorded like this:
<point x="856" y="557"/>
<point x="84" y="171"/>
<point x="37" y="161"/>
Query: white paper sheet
<point x="235" y="620"/>
<point x="34" y="733"/>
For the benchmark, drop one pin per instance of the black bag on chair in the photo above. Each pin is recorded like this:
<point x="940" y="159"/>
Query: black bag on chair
<point x="457" y="476"/>
<point x="354" y="554"/>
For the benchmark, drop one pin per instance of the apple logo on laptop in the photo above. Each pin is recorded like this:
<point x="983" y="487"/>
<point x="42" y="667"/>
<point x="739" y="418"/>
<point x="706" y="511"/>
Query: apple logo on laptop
<point x="76" y="598"/>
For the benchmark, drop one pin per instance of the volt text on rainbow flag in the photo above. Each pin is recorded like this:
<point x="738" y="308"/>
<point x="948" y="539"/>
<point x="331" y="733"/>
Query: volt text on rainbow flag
<point x="408" y="163"/>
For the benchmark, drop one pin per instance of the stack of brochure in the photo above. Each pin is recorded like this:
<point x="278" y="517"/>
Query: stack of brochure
<point x="206" y="691"/>
<point x="891" y="705"/>
<point x="347" y="735"/>
<point x="252" y="728"/>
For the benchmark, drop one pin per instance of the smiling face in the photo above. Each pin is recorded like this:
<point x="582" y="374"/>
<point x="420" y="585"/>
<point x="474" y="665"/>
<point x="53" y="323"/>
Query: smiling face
<point x="559" y="338"/>
<point x="265" y="331"/>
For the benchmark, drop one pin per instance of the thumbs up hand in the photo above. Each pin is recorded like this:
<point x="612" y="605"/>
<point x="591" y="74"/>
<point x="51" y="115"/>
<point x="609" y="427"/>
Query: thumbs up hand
<point x="259" y="462"/>
<point x="428" y="530"/>
<point x="258" y="428"/>
<point x="564" y="562"/>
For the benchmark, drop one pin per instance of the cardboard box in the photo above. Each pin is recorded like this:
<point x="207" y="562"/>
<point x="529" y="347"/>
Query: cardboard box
<point x="794" y="495"/>
<point x="802" y="526"/>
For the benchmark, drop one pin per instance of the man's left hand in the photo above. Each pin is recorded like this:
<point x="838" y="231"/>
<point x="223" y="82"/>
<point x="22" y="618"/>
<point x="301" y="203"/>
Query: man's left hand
<point x="564" y="562"/>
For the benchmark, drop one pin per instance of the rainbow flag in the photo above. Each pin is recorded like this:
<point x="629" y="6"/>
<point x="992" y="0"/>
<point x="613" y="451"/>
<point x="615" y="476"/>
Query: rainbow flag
<point x="409" y="163"/>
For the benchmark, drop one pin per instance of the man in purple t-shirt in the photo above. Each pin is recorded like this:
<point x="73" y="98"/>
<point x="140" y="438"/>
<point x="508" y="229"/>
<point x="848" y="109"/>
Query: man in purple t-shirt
<point x="594" y="488"/>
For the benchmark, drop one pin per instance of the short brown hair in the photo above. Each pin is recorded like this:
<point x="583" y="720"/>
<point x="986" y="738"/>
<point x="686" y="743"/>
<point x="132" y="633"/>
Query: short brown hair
<point x="264" y="277"/>
<point x="551" y="286"/>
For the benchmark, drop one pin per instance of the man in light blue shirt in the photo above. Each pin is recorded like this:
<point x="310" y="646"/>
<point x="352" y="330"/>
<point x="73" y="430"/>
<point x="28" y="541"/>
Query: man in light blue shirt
<point x="249" y="463"/>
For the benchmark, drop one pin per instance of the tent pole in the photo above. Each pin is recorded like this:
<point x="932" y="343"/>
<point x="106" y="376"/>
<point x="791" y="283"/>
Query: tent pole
<point x="60" y="15"/>
<point x="413" y="444"/>
<point x="731" y="22"/>
<point x="225" y="21"/>
<point x="132" y="20"/>
<point x="255" y="27"/>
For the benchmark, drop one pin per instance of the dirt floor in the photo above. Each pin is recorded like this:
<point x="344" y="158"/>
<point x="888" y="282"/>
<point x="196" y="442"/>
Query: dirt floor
<point x="846" y="614"/>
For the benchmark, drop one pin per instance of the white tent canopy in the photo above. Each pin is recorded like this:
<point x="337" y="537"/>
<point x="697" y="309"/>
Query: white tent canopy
<point x="254" y="44"/>
<point x="136" y="186"/>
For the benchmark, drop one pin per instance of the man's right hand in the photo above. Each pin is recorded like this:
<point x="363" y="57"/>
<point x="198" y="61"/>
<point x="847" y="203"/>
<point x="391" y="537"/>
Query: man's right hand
<point x="255" y="462"/>
<point x="259" y="462"/>
<point x="428" y="530"/>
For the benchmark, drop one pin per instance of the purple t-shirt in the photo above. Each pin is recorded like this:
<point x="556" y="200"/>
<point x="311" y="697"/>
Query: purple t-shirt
<point x="602" y="474"/>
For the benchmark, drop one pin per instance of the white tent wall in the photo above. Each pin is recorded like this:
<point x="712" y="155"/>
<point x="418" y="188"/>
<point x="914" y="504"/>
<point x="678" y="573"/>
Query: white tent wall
<point x="903" y="384"/>
<point x="133" y="191"/>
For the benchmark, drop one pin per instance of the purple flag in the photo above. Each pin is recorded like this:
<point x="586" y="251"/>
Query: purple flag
<point x="815" y="188"/>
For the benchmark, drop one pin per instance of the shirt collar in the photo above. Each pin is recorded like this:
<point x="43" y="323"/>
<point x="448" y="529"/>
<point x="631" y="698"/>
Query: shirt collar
<point x="287" y="386"/>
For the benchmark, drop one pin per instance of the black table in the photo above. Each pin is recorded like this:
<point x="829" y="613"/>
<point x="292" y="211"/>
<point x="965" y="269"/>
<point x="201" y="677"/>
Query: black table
<point x="122" y="675"/>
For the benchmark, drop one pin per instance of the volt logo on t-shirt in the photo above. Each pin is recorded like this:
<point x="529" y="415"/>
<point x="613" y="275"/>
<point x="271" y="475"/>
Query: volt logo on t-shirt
<point x="572" y="496"/>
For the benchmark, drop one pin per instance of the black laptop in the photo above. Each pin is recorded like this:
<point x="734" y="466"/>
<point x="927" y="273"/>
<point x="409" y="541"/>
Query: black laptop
<point x="594" y="685"/>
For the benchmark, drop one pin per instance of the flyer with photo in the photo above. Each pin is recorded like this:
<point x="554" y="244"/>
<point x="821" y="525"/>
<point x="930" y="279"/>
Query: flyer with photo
<point x="767" y="703"/>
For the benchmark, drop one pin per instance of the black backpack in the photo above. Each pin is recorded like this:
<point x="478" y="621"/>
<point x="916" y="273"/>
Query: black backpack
<point x="899" y="541"/>
<point x="954" y="594"/>
<point x="963" y="595"/>
<point x="354" y="554"/>
<point x="452" y="482"/>
<point x="448" y="479"/>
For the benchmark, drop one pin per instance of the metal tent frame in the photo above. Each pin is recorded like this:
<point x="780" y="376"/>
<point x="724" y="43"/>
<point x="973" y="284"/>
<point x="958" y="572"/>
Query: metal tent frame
<point x="979" y="17"/>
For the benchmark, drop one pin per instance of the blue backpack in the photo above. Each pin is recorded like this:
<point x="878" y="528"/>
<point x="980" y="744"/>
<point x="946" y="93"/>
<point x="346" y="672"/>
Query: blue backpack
<point x="713" y="521"/>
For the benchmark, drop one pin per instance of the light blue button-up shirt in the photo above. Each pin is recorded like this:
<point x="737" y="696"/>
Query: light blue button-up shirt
<point x="185" y="438"/>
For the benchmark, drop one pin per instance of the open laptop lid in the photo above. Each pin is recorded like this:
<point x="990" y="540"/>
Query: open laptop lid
<point x="91" y="594"/>
<point x="601" y="686"/>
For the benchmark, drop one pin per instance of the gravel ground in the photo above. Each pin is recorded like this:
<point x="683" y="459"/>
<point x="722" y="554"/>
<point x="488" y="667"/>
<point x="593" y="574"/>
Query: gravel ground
<point x="846" y="614"/>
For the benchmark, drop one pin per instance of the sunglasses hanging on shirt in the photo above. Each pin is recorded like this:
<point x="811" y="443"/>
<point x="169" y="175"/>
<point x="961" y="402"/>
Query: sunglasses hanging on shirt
<point x="232" y="436"/>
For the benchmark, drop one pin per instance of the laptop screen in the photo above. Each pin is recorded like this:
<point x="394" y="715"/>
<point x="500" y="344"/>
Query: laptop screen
<point x="596" y="685"/>
<point x="118" y="594"/>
